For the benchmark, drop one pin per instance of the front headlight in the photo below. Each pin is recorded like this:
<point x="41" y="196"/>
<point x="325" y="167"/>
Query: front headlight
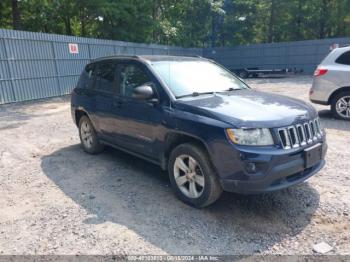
<point x="251" y="136"/>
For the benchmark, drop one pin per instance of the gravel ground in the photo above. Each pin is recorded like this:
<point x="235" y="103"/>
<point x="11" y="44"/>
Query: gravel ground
<point x="55" y="199"/>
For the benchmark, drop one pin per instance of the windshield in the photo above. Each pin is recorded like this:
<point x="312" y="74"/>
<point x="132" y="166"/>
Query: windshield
<point x="196" y="77"/>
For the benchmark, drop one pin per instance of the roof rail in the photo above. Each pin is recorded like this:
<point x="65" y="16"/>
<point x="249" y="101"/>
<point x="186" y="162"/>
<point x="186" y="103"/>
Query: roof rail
<point x="198" y="56"/>
<point x="113" y="56"/>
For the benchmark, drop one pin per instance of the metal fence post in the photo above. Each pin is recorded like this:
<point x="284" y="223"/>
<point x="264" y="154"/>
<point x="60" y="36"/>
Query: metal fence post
<point x="56" y="68"/>
<point x="9" y="71"/>
<point x="89" y="50"/>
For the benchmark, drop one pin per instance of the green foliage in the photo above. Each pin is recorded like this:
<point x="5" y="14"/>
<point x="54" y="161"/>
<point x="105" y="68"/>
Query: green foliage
<point x="189" y="23"/>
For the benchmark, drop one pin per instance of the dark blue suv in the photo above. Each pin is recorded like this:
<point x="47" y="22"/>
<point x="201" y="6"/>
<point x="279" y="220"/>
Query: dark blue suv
<point x="197" y="120"/>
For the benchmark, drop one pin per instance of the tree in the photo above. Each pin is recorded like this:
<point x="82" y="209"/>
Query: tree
<point x="6" y="14"/>
<point x="188" y="23"/>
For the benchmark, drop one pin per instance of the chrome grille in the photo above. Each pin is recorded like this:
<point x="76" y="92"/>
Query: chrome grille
<point x="300" y="134"/>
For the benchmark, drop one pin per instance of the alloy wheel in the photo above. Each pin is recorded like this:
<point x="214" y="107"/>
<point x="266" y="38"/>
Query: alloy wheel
<point x="189" y="176"/>
<point x="343" y="106"/>
<point x="86" y="134"/>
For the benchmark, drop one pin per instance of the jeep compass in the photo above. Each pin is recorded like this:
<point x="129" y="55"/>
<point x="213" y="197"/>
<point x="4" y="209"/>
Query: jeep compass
<point x="200" y="122"/>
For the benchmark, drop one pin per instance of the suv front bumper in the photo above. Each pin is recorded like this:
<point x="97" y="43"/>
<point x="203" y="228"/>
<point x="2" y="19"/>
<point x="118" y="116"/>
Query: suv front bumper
<point x="276" y="172"/>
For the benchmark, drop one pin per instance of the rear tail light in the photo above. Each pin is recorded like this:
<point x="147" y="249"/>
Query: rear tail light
<point x="320" y="71"/>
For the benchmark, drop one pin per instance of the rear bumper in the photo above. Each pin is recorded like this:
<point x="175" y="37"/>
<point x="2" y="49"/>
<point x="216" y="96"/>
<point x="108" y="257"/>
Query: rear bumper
<point x="279" y="173"/>
<point x="322" y="89"/>
<point x="325" y="103"/>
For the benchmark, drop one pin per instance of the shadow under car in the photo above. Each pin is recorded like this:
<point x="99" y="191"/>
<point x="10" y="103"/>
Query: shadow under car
<point x="122" y="189"/>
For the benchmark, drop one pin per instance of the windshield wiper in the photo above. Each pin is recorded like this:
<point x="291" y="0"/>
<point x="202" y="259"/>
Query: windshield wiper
<point x="230" y="89"/>
<point x="210" y="92"/>
<point x="197" y="94"/>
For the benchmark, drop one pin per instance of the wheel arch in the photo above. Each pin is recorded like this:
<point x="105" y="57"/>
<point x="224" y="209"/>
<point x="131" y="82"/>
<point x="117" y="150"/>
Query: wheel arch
<point x="174" y="139"/>
<point x="336" y="92"/>
<point x="79" y="112"/>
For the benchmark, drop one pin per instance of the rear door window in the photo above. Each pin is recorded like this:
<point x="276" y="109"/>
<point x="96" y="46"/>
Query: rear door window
<point x="344" y="59"/>
<point x="105" y="77"/>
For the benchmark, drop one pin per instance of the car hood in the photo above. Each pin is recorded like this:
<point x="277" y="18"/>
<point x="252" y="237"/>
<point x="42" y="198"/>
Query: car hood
<point x="249" y="108"/>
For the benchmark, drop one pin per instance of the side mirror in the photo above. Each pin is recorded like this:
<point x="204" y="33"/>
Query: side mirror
<point x="144" y="92"/>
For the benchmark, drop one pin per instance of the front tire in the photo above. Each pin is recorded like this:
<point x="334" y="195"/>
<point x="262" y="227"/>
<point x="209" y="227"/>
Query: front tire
<point x="88" y="137"/>
<point x="192" y="176"/>
<point x="341" y="106"/>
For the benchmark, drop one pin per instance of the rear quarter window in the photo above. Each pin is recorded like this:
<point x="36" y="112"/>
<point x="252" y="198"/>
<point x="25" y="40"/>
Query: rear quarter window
<point x="344" y="59"/>
<point x="86" y="77"/>
<point x="88" y="70"/>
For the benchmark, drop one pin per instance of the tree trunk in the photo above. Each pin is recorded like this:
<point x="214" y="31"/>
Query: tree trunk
<point x="299" y="15"/>
<point x="154" y="19"/>
<point x="68" y="26"/>
<point x="272" y="19"/>
<point x="83" y="28"/>
<point x="16" y="15"/>
<point x="83" y="22"/>
<point x="323" y="17"/>
<point x="213" y="31"/>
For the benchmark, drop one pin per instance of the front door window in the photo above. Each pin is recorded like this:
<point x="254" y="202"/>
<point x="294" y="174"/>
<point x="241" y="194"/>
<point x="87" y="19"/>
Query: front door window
<point x="132" y="76"/>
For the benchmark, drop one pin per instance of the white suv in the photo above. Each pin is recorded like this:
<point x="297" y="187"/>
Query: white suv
<point x="331" y="83"/>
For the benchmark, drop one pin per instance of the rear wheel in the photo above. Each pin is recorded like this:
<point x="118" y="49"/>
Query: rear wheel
<point x="88" y="137"/>
<point x="341" y="106"/>
<point x="192" y="176"/>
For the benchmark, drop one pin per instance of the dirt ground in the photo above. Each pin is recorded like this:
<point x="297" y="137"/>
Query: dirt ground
<point x="56" y="199"/>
